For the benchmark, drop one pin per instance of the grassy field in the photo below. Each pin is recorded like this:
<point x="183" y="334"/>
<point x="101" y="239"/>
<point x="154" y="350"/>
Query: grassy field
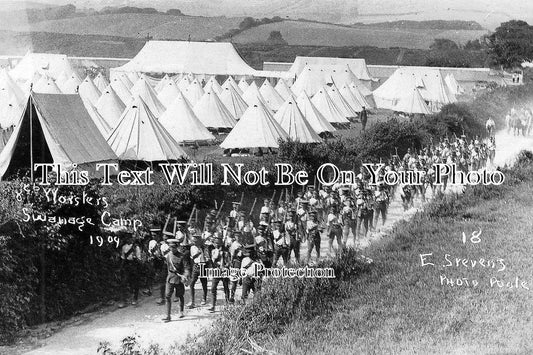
<point x="318" y="34"/>
<point x="135" y="25"/>
<point x="404" y="307"/>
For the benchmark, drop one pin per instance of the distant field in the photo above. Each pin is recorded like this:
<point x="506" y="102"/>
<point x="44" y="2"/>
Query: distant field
<point x="136" y="26"/>
<point x="317" y="34"/>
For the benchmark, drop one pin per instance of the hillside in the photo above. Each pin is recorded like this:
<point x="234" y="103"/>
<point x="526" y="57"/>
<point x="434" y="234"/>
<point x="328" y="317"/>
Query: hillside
<point x="134" y="25"/>
<point x="488" y="13"/>
<point x="320" y="34"/>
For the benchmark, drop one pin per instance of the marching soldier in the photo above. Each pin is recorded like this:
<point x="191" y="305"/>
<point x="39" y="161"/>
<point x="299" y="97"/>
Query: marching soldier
<point x="219" y="260"/>
<point x="334" y="229"/>
<point x="348" y="220"/>
<point x="178" y="266"/>
<point x="198" y="262"/>
<point x="292" y="231"/>
<point x="131" y="266"/>
<point x="235" y="211"/>
<point x="249" y="266"/>
<point x="313" y="236"/>
<point x="281" y="244"/>
<point x="236" y="255"/>
<point x="381" y="204"/>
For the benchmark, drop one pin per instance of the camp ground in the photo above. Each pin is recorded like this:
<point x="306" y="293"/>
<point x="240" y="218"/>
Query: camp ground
<point x="179" y="99"/>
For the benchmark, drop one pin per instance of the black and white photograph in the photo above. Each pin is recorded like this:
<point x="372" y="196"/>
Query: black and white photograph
<point x="266" y="177"/>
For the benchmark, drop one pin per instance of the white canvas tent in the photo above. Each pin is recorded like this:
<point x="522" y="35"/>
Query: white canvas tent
<point x="292" y="120"/>
<point x="181" y="122"/>
<point x="252" y="94"/>
<point x="89" y="92"/>
<point x="233" y="101"/>
<point x="272" y="98"/>
<point x="283" y="89"/>
<point x="194" y="92"/>
<point x="103" y="126"/>
<point x="257" y="128"/>
<point x="213" y="83"/>
<point x="310" y="80"/>
<point x="319" y="123"/>
<point x="412" y="102"/>
<point x="429" y="82"/>
<point x="341" y="103"/>
<point x="42" y="63"/>
<point x="213" y="113"/>
<point x="139" y="136"/>
<point x="453" y="85"/>
<point x="46" y="85"/>
<point x="242" y="86"/>
<point x="71" y="85"/>
<point x="327" y="107"/>
<point x="121" y="90"/>
<point x="61" y="131"/>
<point x="149" y="96"/>
<point x="168" y="93"/>
<point x="101" y="82"/>
<point x="357" y="66"/>
<point x="212" y="58"/>
<point x="110" y="106"/>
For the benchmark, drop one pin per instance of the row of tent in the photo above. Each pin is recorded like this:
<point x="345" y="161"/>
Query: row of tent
<point x="181" y="101"/>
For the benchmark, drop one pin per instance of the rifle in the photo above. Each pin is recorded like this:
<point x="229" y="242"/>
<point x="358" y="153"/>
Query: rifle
<point x="280" y="196"/>
<point x="190" y="216"/>
<point x="166" y="225"/>
<point x="242" y="199"/>
<point x="273" y="195"/>
<point x="253" y="206"/>
<point x="219" y="210"/>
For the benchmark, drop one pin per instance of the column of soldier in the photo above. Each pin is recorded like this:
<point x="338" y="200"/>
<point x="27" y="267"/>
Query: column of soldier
<point x="244" y="240"/>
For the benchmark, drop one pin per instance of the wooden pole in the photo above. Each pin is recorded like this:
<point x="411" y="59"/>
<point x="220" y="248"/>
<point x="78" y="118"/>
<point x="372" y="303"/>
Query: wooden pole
<point x="31" y="137"/>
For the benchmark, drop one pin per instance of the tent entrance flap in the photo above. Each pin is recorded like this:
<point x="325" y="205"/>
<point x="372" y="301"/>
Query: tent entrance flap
<point x="21" y="158"/>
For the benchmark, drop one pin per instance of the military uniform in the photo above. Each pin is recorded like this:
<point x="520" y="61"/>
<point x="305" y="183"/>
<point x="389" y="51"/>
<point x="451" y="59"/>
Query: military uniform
<point x="198" y="262"/>
<point x="178" y="265"/>
<point x="220" y="259"/>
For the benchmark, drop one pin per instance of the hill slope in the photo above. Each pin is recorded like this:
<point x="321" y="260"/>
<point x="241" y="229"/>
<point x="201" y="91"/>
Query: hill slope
<point x="135" y="25"/>
<point x="318" y="34"/>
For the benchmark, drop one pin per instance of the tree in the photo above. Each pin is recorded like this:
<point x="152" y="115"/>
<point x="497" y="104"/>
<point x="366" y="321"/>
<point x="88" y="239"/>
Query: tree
<point x="511" y="43"/>
<point x="443" y="44"/>
<point x="275" y="37"/>
<point x="174" y="12"/>
<point x="473" y="45"/>
<point x="247" y="23"/>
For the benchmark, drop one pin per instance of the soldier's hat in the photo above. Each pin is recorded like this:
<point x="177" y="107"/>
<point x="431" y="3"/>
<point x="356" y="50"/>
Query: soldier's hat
<point x="155" y="230"/>
<point x="312" y="213"/>
<point x="246" y="252"/>
<point x="304" y="202"/>
<point x="173" y="241"/>
<point x="292" y="211"/>
<point x="181" y="223"/>
<point x="277" y="221"/>
<point x="249" y="246"/>
<point x="266" y="200"/>
<point x="237" y="232"/>
<point x="261" y="227"/>
<point x="213" y="212"/>
<point x="299" y="193"/>
<point x="310" y="187"/>
<point x="235" y="204"/>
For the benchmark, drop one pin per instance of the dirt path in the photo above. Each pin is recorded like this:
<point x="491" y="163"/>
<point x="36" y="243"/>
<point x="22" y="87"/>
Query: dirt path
<point x="84" y="333"/>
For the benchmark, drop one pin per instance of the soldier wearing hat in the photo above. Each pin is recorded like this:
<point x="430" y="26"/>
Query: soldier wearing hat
<point x="381" y="203"/>
<point x="235" y="211"/>
<point x="261" y="244"/>
<point x="334" y="229"/>
<point x="236" y="255"/>
<point x="348" y="221"/>
<point x="220" y="260"/>
<point x="182" y="233"/>
<point x="249" y="267"/>
<point x="198" y="262"/>
<point x="303" y="215"/>
<point x="210" y="221"/>
<point x="157" y="261"/>
<point x="309" y="193"/>
<point x="313" y="236"/>
<point x="131" y="265"/>
<point x="281" y="244"/>
<point x="178" y="266"/>
<point x="266" y="209"/>
<point x="292" y="232"/>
